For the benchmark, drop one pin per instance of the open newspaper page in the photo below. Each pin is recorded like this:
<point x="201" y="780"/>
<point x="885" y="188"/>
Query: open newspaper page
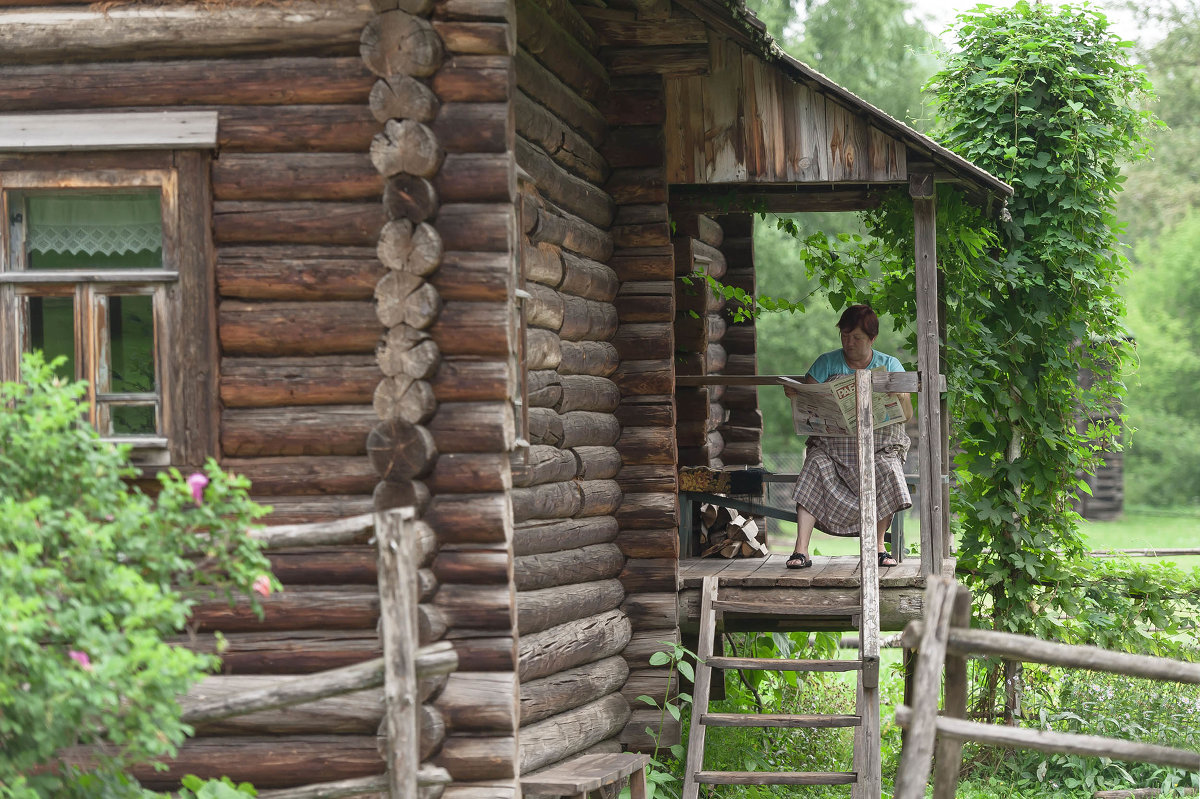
<point x="828" y="409"/>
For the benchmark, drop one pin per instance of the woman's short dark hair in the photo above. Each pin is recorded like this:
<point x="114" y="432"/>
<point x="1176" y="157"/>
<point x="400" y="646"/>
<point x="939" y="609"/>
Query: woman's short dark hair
<point x="857" y="316"/>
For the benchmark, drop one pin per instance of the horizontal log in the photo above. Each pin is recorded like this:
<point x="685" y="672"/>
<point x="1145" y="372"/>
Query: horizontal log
<point x="556" y="138"/>
<point x="295" y="176"/>
<point x="666" y="731"/>
<point x="647" y="410"/>
<point x="52" y="35"/>
<point x="598" y="462"/>
<point x="400" y="450"/>
<point x="740" y="339"/>
<point x="297" y="608"/>
<point x="572" y="194"/>
<point x="402" y="97"/>
<point x="398" y="43"/>
<point x="297" y="272"/>
<point x="321" y="380"/>
<point x="472" y="759"/>
<point x="473" y="128"/>
<point x="476" y="607"/>
<point x="587" y="279"/>
<point x="541" y="36"/>
<point x="551" y="740"/>
<point x="474" y="276"/>
<point x="473" y="79"/>
<point x="572" y="644"/>
<point x="637" y="186"/>
<point x="657" y="683"/>
<point x="660" y="543"/>
<point x="636" y="236"/>
<point x="648" y="307"/>
<point x="648" y="511"/>
<point x="587" y="320"/>
<point x="541" y="463"/>
<point x="327" y="708"/>
<point x="325" y="566"/>
<point x="637" y="145"/>
<point x="471" y="9"/>
<point x="640" y="479"/>
<point x="479" y="702"/>
<point x="356" y="529"/>
<point x="643" y="263"/>
<point x="546" y="224"/>
<point x="291" y="761"/>
<point x="539" y="537"/>
<point x="587" y="428"/>
<point x="542" y="263"/>
<point x="549" y="607"/>
<point x="305" y="475"/>
<point x="645" y="340"/>
<point x="543" y="389"/>
<point x="748" y="453"/>
<point x="259" y="222"/>
<point x="473" y="567"/>
<point x="571" y="688"/>
<point x="306" y="509"/>
<point x="600" y="497"/>
<point x="295" y="128"/>
<point x="308" y="430"/>
<point x="646" y="575"/>
<point x="651" y="611"/>
<point x="466" y="380"/>
<point x="471" y="518"/>
<point x="464" y="472"/>
<point x="618" y="28"/>
<point x="476" y="227"/>
<point x="647" y="446"/>
<point x="473" y="328"/>
<point x="287" y="81"/>
<point x="473" y="427"/>
<point x="644" y="643"/>
<point x="548" y="501"/>
<point x="476" y="177"/>
<point x="597" y="358"/>
<point x="475" y="38"/>
<point x="547" y="89"/>
<point x="567" y="567"/>
<point x="544" y="350"/>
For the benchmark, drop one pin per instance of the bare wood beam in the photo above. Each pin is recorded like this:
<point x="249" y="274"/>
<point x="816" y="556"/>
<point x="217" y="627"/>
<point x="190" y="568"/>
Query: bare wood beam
<point x="60" y="34"/>
<point x="884" y="382"/>
<point x="792" y="199"/>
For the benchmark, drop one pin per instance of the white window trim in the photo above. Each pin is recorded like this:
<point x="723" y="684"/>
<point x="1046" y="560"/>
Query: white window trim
<point x="140" y="130"/>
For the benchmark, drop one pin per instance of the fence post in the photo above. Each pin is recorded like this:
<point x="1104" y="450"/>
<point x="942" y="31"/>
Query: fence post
<point x="398" y="628"/>
<point x="948" y="751"/>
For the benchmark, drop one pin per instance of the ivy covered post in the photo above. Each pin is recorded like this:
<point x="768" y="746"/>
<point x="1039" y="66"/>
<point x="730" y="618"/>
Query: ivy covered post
<point x="1045" y="97"/>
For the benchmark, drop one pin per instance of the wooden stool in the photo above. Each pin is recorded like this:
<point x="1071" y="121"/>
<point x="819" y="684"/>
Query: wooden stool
<point x="581" y="775"/>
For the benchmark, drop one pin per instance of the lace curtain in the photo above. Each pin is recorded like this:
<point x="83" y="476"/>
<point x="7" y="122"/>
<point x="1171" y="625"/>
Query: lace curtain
<point x="108" y="224"/>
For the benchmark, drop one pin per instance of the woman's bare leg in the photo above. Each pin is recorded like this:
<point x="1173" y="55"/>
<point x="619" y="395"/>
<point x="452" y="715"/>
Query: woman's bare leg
<point x="805" y="522"/>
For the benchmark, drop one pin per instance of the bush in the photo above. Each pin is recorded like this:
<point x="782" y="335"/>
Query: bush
<point x="93" y="575"/>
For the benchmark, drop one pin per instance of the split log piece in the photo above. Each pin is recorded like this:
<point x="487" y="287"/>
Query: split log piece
<point x="398" y="43"/>
<point x="410" y="352"/>
<point x="310" y="430"/>
<point x="537" y="537"/>
<point x="467" y="380"/>
<point x="641" y="236"/>
<point x="550" y="607"/>
<point x="644" y="643"/>
<point x="475" y="38"/>
<point x="473" y="427"/>
<point x="657" y="683"/>
<point x="583" y="565"/>
<point x="540" y="464"/>
<point x="647" y="445"/>
<point x="322" y="380"/>
<point x="741" y="364"/>
<point x="402" y="97"/>
<point x="743" y="397"/>
<point x="558" y="736"/>
<point x="485" y="654"/>
<point x="702" y="227"/>
<point x="405" y="399"/>
<point x="645" y="263"/>
<point x="597" y="358"/>
<point x="472" y="9"/>
<point x="401" y="450"/>
<point x="406" y="146"/>
<point x="470" y="758"/>
<point x="598" y="462"/>
<point x="634" y="145"/>
<point x="642" y="214"/>
<point x="408" y="248"/>
<point x="571" y="688"/>
<point x="409" y="197"/>
<point x="637" y="186"/>
<point x="634" y="738"/>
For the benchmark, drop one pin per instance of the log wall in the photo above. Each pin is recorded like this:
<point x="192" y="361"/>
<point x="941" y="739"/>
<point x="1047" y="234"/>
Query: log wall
<point x="741" y="425"/>
<point x="565" y="494"/>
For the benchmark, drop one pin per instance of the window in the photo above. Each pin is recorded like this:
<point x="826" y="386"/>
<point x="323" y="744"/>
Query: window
<point x="106" y="259"/>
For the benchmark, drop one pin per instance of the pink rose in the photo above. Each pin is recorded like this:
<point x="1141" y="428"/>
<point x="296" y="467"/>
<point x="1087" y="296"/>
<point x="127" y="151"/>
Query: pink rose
<point x="197" y="481"/>
<point x="262" y="585"/>
<point x="81" y="658"/>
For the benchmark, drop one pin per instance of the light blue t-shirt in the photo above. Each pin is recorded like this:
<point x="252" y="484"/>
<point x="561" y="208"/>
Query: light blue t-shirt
<point x="833" y="363"/>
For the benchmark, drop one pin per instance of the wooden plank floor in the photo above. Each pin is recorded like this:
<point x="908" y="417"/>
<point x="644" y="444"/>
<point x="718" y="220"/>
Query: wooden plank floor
<point x="831" y="571"/>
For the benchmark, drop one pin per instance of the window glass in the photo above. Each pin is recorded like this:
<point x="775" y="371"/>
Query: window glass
<point x="93" y="229"/>
<point x="52" y="330"/>
<point x="130" y="366"/>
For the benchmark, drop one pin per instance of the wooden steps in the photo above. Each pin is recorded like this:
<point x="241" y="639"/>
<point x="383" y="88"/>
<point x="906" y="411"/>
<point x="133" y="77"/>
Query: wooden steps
<point x="776" y="777"/>
<point x="789" y="720"/>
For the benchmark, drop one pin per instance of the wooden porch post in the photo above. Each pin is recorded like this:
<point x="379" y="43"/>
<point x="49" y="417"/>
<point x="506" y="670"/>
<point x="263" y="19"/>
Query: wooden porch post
<point x="921" y="189"/>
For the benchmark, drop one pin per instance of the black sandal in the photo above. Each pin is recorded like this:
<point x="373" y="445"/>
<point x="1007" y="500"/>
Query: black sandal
<point x="885" y="555"/>
<point x="804" y="561"/>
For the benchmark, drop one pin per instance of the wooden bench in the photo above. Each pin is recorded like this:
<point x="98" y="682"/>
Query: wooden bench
<point x="580" y="776"/>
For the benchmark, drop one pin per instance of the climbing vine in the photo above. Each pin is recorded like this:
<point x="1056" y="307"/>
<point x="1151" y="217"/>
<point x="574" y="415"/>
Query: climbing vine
<point x="1044" y="97"/>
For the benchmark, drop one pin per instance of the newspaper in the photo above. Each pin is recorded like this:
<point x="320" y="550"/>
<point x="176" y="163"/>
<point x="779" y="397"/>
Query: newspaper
<point x="828" y="409"/>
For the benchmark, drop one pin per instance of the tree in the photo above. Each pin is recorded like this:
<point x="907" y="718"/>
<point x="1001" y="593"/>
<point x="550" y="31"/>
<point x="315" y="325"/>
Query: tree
<point x="93" y="575"/>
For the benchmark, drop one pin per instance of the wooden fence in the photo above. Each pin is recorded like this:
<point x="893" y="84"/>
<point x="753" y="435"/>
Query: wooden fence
<point x="402" y="667"/>
<point x="945" y="637"/>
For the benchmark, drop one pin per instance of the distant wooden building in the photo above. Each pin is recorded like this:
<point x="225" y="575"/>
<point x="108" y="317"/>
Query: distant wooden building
<point x="419" y="252"/>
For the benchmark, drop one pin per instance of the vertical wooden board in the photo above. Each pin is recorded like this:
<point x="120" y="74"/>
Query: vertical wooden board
<point x="673" y="132"/>
<point x="814" y="136"/>
<point x="723" y="141"/>
<point x="751" y="123"/>
<point x="695" y="86"/>
<point x="886" y="156"/>
<point x="778" y="84"/>
<point x="857" y="150"/>
<point x="790" y="134"/>
<point x="835" y="135"/>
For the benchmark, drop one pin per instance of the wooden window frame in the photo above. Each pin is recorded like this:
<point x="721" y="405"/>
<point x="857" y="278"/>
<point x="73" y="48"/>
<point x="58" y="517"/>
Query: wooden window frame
<point x="184" y="290"/>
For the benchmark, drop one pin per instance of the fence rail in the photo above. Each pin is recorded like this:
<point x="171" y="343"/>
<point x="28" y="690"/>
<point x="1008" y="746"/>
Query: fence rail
<point x="945" y="639"/>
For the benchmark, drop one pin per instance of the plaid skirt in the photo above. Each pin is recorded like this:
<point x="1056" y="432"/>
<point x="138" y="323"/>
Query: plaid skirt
<point x="828" y="483"/>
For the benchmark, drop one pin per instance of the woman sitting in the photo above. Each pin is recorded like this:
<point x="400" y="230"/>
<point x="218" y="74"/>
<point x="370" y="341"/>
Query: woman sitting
<point x="826" y="492"/>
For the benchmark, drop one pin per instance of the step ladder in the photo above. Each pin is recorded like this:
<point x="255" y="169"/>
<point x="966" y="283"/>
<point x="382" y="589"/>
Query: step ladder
<point x="866" y="778"/>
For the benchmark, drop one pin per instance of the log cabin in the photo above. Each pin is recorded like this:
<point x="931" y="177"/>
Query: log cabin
<point x="425" y="253"/>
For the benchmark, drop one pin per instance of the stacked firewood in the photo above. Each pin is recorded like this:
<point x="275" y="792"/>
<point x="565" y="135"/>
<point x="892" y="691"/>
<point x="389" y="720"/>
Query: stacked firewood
<point x="727" y="533"/>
